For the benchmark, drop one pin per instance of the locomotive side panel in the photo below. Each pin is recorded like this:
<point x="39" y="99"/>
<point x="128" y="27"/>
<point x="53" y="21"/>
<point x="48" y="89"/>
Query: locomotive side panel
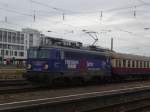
<point x="69" y="63"/>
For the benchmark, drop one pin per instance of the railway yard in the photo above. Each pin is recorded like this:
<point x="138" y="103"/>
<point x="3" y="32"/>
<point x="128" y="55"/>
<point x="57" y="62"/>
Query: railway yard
<point x="74" y="56"/>
<point x="20" y="95"/>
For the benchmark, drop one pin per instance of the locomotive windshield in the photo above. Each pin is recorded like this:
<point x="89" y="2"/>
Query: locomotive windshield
<point x="38" y="53"/>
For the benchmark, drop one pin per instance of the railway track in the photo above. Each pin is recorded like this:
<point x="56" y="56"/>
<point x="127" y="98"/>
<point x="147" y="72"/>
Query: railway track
<point x="13" y="82"/>
<point x="20" y="86"/>
<point x="18" y="89"/>
<point x="123" y="97"/>
<point x="16" y="86"/>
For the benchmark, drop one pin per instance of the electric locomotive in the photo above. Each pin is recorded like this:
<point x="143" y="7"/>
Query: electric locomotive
<point x="51" y="63"/>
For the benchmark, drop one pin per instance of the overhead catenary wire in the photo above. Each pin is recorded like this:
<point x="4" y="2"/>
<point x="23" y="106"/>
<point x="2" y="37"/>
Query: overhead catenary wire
<point x="145" y="3"/>
<point x="71" y="11"/>
<point x="61" y="10"/>
<point x="17" y="12"/>
<point x="54" y="8"/>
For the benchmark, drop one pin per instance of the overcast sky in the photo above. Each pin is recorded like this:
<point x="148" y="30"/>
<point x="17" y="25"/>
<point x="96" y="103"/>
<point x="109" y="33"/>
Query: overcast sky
<point x="123" y="20"/>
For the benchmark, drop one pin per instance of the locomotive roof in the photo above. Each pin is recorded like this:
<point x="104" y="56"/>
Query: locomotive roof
<point x="77" y="49"/>
<point x="129" y="56"/>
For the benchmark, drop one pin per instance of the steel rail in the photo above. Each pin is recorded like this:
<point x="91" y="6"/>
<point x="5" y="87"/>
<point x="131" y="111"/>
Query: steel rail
<point x="67" y="98"/>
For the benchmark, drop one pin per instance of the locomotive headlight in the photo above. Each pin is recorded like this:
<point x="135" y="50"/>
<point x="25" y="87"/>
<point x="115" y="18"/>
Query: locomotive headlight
<point x="46" y="66"/>
<point x="29" y="66"/>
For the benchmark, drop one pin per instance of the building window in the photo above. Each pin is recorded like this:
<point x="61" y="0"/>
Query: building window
<point x="9" y="37"/>
<point x="21" y="53"/>
<point x="2" y="52"/>
<point x="6" y="52"/>
<point x="5" y="36"/>
<point x="0" y="35"/>
<point x="11" y="53"/>
<point x="15" y="53"/>
<point x="31" y="40"/>
<point x="18" y="40"/>
<point x="18" y="37"/>
<point x="21" y="47"/>
<point x="22" y="40"/>
<point x="9" y="46"/>
<point x="13" y="37"/>
<point x="5" y="46"/>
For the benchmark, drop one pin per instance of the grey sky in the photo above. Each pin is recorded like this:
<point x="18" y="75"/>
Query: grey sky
<point x="127" y="26"/>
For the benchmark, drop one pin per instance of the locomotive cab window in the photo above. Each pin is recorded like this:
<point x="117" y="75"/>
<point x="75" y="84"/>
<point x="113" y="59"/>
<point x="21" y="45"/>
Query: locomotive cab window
<point x="32" y="53"/>
<point x="38" y="53"/>
<point x="43" y="53"/>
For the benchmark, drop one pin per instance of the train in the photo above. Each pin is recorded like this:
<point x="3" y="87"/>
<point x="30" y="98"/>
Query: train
<point x="52" y="64"/>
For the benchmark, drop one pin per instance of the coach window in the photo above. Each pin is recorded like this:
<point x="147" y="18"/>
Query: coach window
<point x="133" y="65"/>
<point x="124" y="63"/>
<point x="119" y="63"/>
<point x="137" y="64"/>
<point x="113" y="62"/>
<point x="129" y="64"/>
<point x="144" y="65"/>
<point x="140" y="64"/>
<point x="147" y="64"/>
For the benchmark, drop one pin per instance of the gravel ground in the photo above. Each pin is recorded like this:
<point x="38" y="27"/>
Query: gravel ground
<point x="10" y="74"/>
<point x="48" y="93"/>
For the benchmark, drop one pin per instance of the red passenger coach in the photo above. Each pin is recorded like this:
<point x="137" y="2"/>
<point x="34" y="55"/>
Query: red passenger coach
<point x="127" y="65"/>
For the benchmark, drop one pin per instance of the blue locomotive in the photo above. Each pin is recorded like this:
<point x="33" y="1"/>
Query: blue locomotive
<point x="56" y="63"/>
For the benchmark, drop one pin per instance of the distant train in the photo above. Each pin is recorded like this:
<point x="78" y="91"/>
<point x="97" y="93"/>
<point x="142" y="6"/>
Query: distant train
<point x="58" y="63"/>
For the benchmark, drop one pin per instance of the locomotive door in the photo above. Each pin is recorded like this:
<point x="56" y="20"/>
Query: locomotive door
<point x="57" y="61"/>
<point x="83" y="65"/>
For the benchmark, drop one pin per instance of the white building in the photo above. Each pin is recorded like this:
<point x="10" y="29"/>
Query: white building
<point x="14" y="44"/>
<point x="33" y="37"/>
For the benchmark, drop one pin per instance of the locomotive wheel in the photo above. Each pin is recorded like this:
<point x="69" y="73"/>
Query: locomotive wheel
<point x="63" y="81"/>
<point x="78" y="81"/>
<point x="95" y="80"/>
